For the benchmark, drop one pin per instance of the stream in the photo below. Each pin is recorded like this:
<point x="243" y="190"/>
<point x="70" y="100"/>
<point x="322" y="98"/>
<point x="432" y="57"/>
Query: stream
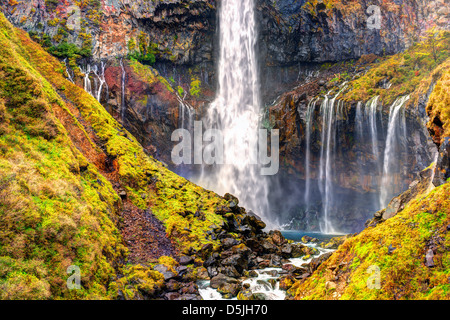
<point x="266" y="283"/>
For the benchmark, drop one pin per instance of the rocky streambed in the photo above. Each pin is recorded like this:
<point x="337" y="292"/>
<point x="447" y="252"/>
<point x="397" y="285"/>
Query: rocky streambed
<point x="271" y="279"/>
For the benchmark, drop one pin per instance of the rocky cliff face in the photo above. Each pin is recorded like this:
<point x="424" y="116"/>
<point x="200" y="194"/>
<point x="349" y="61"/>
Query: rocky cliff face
<point x="180" y="31"/>
<point x="178" y="38"/>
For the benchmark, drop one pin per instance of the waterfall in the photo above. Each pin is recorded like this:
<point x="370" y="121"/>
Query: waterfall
<point x="327" y="112"/>
<point x="236" y="109"/>
<point x="309" y="116"/>
<point x="100" y="77"/>
<point x="87" y="80"/>
<point x="122" y="107"/>
<point x="395" y="135"/>
<point x="69" y="76"/>
<point x="372" y="109"/>
<point x="185" y="109"/>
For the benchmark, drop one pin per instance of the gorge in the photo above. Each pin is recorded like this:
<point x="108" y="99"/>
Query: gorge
<point x="92" y="91"/>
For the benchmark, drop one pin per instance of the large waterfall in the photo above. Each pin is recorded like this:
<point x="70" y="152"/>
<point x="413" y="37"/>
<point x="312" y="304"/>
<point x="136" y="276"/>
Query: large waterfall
<point x="236" y="109"/>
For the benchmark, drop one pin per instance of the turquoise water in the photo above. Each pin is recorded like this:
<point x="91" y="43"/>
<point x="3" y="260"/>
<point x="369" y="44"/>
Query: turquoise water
<point x="297" y="235"/>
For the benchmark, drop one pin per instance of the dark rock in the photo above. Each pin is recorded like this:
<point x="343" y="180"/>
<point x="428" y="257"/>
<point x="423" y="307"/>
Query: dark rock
<point x="237" y="261"/>
<point x="212" y="271"/>
<point x="206" y="250"/>
<point x="172" y="285"/>
<point x="254" y="244"/>
<point x="278" y="238"/>
<point x="298" y="250"/>
<point x="229" y="242"/>
<point x="223" y="210"/>
<point x="230" y="197"/>
<point x="391" y="249"/>
<point x="275" y="260"/>
<point x="212" y="260"/>
<point x="429" y="261"/>
<point x="254" y="221"/>
<point x="249" y="295"/>
<point x="253" y="274"/>
<point x="172" y="295"/>
<point x="229" y="271"/>
<point x="286" y="250"/>
<point x="185" y="260"/>
<point x="221" y="279"/>
<point x="189" y="288"/>
<point x="123" y="194"/>
<point x="268" y="246"/>
<point x="164" y="270"/>
<point x="316" y="262"/>
<point x="225" y="284"/>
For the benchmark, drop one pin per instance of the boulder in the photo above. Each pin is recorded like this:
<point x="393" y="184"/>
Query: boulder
<point x="226" y="285"/>
<point x="254" y="221"/>
<point x="286" y="250"/>
<point x="165" y="271"/>
<point x="185" y="260"/>
<point x="229" y="242"/>
<point x="221" y="279"/>
<point x="278" y="238"/>
<point x="237" y="261"/>
<point x="429" y="261"/>
<point x="268" y="246"/>
<point x="249" y="295"/>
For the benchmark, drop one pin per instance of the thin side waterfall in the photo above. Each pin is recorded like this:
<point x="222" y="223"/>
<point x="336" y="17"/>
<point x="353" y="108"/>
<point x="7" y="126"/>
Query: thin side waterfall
<point x="309" y="118"/>
<point x="185" y="109"/>
<point x="327" y="111"/>
<point x="395" y="135"/>
<point x="371" y="106"/>
<point x="236" y="109"/>
<point x="69" y="76"/>
<point x="87" y="80"/>
<point x="100" y="76"/>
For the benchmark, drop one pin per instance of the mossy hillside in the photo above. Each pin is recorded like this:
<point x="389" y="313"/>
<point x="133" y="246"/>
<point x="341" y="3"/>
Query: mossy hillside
<point x="404" y="71"/>
<point x="398" y="248"/>
<point x="146" y="180"/>
<point x="56" y="210"/>
<point x="439" y="102"/>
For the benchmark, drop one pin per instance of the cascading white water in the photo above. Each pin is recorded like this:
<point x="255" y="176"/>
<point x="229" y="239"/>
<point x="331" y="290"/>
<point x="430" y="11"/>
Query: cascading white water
<point x="236" y="109"/>
<point x="372" y="109"/>
<point x="87" y="80"/>
<point x="396" y="132"/>
<point x="100" y="77"/>
<point x="69" y="76"/>
<point x="327" y="111"/>
<point x="309" y="119"/>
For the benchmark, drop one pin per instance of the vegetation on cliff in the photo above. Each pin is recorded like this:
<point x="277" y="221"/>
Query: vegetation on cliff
<point x="62" y="158"/>
<point x="401" y="74"/>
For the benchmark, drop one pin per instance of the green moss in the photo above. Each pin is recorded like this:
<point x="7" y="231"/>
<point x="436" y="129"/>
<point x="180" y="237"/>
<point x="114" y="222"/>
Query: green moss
<point x="403" y="273"/>
<point x="138" y="282"/>
<point x="404" y="71"/>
